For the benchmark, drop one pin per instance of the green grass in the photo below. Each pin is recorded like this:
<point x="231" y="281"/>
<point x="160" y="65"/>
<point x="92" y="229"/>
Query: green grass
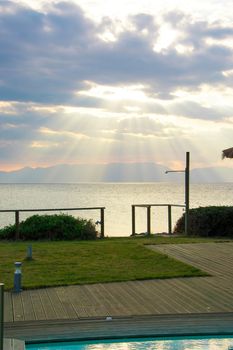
<point x="79" y="262"/>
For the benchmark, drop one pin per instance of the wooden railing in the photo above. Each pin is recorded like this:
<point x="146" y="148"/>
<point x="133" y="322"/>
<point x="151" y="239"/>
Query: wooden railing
<point x="148" y="215"/>
<point x="18" y="211"/>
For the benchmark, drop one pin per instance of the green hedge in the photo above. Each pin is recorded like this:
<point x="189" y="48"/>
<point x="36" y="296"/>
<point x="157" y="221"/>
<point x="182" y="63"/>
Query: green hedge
<point x="52" y="227"/>
<point x="208" y="221"/>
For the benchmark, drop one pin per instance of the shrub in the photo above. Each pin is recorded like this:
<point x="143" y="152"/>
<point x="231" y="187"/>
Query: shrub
<point x="208" y="221"/>
<point x="7" y="232"/>
<point x="53" y="227"/>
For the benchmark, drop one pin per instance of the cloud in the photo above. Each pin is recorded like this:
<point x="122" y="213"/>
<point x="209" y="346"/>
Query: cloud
<point x="40" y="58"/>
<point x="143" y="22"/>
<point x="52" y="60"/>
<point x="47" y="56"/>
<point x="195" y="110"/>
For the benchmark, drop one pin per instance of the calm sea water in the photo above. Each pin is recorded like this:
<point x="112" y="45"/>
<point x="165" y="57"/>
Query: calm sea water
<point x="117" y="198"/>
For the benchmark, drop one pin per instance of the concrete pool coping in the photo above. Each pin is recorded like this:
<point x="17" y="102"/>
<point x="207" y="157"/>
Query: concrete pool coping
<point x="125" y="327"/>
<point x="13" y="344"/>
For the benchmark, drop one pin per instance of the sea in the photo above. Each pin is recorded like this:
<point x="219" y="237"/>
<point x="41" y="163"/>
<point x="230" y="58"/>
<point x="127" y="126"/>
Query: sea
<point x="117" y="198"/>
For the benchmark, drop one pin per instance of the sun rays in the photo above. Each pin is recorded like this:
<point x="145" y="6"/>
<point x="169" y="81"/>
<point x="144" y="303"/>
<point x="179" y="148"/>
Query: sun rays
<point x="90" y="82"/>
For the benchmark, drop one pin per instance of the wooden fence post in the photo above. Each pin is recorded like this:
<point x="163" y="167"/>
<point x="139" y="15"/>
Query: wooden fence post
<point x="169" y="207"/>
<point x="17" y="224"/>
<point x="102" y="222"/>
<point x="133" y="221"/>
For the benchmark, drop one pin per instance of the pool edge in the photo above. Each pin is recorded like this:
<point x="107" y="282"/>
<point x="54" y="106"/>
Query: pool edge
<point x="13" y="344"/>
<point x="118" y="327"/>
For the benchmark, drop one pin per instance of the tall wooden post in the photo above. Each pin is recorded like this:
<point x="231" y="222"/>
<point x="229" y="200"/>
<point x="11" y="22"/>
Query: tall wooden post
<point x="102" y="222"/>
<point x="187" y="171"/>
<point x="149" y="220"/>
<point x="17" y="224"/>
<point x="169" y="212"/>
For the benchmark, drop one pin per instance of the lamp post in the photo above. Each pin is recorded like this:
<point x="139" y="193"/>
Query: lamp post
<point x="17" y="277"/>
<point x="187" y="180"/>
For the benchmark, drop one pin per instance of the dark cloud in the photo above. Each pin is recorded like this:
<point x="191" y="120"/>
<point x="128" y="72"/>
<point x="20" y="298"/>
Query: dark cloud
<point x="176" y="18"/>
<point x="194" y="110"/>
<point x="145" y="22"/>
<point x="13" y="133"/>
<point x="40" y="55"/>
<point x="203" y="30"/>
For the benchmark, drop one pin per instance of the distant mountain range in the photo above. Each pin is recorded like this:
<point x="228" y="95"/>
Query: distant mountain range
<point x="113" y="172"/>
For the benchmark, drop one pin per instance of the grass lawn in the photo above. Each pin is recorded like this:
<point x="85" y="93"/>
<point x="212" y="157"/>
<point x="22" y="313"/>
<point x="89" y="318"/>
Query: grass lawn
<point x="108" y="260"/>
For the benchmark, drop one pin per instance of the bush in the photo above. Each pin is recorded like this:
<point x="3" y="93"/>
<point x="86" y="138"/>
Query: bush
<point x="52" y="227"/>
<point x="208" y="222"/>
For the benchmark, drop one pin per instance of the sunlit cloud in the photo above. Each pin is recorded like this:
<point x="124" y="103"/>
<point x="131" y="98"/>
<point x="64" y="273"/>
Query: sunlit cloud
<point x="36" y="144"/>
<point x="114" y="93"/>
<point x="167" y="36"/>
<point x="228" y="73"/>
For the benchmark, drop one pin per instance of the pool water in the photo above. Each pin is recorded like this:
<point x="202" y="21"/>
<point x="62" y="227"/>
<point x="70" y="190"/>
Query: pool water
<point x="178" y="343"/>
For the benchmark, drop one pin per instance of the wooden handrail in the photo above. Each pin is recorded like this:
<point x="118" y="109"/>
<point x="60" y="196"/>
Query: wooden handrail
<point x="148" y="208"/>
<point x="54" y="209"/>
<point x="17" y="212"/>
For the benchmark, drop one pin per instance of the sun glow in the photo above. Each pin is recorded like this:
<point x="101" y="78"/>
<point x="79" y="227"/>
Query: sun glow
<point x="184" y="49"/>
<point x="114" y="93"/>
<point x="208" y="95"/>
<point x="228" y="73"/>
<point x="49" y="144"/>
<point x="63" y="133"/>
<point x="167" y="36"/>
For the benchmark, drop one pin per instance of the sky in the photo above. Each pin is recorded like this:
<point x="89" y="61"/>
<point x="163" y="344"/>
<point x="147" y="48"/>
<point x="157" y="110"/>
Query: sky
<point x="100" y="81"/>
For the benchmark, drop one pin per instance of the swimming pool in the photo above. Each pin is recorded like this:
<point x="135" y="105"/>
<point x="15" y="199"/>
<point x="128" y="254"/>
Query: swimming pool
<point x="175" y="343"/>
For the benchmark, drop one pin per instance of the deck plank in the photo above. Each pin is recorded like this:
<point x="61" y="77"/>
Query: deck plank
<point x="8" y="307"/>
<point x="103" y="305"/>
<point x="79" y="299"/>
<point x="56" y="303"/>
<point x="37" y="304"/>
<point x="50" y="311"/>
<point x="116" y="301"/>
<point x="18" y="311"/>
<point x="27" y="306"/>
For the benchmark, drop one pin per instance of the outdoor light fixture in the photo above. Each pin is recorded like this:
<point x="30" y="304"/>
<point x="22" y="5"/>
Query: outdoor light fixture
<point x="17" y="277"/>
<point x="174" y="171"/>
<point x="108" y="318"/>
<point x="29" y="252"/>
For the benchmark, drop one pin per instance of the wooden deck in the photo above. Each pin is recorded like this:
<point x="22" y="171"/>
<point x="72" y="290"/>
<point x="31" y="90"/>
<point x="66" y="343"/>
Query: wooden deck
<point x="178" y="296"/>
